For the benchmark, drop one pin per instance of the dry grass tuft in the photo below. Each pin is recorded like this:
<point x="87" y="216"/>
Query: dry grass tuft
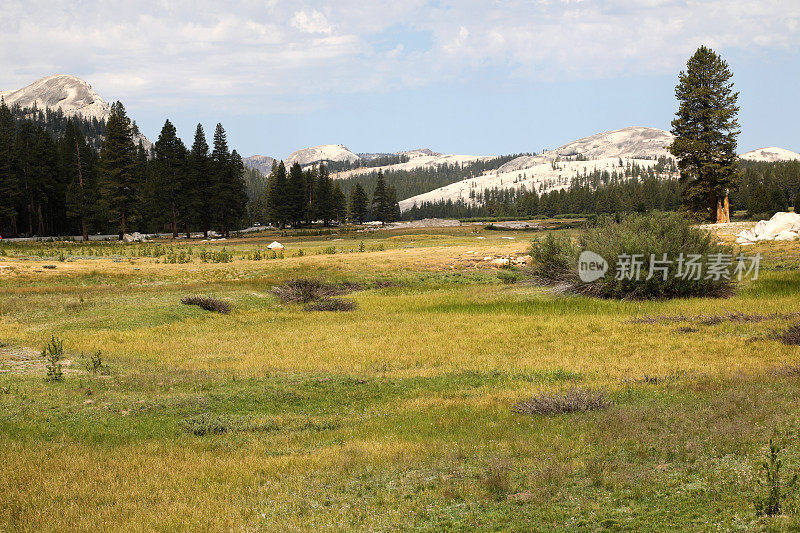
<point x="574" y="399"/>
<point x="208" y="303"/>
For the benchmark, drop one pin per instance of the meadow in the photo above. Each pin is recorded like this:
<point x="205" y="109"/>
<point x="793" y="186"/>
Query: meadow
<point x="396" y="415"/>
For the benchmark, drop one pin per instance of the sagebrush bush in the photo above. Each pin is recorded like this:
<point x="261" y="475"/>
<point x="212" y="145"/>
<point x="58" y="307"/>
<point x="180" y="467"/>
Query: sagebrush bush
<point x="331" y="304"/>
<point x="574" y="399"/>
<point x="556" y="258"/>
<point x="304" y="290"/>
<point x="208" y="303"/>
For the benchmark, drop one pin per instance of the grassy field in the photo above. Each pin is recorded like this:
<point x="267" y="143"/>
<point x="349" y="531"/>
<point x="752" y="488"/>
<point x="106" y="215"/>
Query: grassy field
<point x="394" y="416"/>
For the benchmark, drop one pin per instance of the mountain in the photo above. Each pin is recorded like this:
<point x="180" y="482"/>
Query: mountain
<point x="417" y="159"/>
<point x="262" y="163"/>
<point x="554" y="169"/>
<point x="770" y="155"/>
<point x="316" y="154"/>
<point x="69" y="93"/>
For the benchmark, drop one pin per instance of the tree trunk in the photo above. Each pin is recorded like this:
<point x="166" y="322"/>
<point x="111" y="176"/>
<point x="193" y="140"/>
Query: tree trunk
<point x="124" y="225"/>
<point x="713" y="206"/>
<point x="174" y="222"/>
<point x="723" y="210"/>
<point x="188" y="233"/>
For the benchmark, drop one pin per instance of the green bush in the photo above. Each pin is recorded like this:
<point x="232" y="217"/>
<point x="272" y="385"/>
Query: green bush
<point x="646" y="236"/>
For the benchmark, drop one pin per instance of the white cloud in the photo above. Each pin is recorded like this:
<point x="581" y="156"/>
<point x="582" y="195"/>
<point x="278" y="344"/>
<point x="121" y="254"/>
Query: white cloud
<point x="266" y="54"/>
<point x="311" y="22"/>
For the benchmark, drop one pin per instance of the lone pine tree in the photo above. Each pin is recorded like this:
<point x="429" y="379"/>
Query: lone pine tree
<point x="705" y="129"/>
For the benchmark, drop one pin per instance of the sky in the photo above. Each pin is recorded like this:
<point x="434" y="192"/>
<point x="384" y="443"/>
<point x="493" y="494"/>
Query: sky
<point x="469" y="77"/>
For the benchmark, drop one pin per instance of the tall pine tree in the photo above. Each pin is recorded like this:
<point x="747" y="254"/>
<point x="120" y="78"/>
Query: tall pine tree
<point x="705" y="129"/>
<point x="170" y="171"/>
<point x="201" y="183"/>
<point x="119" y="168"/>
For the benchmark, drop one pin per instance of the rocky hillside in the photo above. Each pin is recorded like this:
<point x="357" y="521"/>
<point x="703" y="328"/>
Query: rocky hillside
<point x="554" y="169"/>
<point x="771" y="155"/>
<point x="262" y="163"/>
<point x="316" y="154"/>
<point x="69" y="93"/>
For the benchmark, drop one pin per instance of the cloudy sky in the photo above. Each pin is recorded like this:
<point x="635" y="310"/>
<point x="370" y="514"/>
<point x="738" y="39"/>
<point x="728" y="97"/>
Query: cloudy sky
<point x="467" y="76"/>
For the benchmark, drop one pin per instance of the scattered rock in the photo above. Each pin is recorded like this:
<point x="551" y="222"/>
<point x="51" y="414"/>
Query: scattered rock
<point x="275" y="245"/>
<point x="501" y="262"/>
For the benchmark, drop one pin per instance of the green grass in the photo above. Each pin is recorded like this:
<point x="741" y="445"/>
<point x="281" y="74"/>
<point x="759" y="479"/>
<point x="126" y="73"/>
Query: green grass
<point x="394" y="416"/>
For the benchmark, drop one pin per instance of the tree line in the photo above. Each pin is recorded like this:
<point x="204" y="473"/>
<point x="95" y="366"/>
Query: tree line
<point x="54" y="182"/>
<point x="301" y="196"/>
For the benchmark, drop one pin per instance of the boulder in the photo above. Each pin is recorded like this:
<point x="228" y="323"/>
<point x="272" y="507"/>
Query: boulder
<point x="133" y="237"/>
<point x="275" y="245"/>
<point x="501" y="262"/>
<point x="785" y="225"/>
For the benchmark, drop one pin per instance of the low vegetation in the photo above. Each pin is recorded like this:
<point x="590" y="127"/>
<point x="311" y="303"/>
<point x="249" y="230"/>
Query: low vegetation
<point x="571" y="400"/>
<point x="399" y="415"/>
<point x="646" y="257"/>
<point x="209" y="303"/>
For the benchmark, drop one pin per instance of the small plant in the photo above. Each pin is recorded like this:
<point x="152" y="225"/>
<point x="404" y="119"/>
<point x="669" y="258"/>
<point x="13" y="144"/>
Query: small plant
<point x="776" y="492"/>
<point x="574" y="399"/>
<point x="361" y="246"/>
<point x="332" y="304"/>
<point x="208" y="303"/>
<point x="53" y="353"/>
<point x="95" y="363"/>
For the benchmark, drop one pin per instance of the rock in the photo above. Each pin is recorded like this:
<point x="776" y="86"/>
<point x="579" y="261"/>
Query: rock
<point x="501" y="262"/>
<point x="488" y="258"/>
<point x="786" y="235"/>
<point x="522" y="260"/>
<point x="275" y="245"/>
<point x="133" y="237"/>
<point x="785" y="225"/>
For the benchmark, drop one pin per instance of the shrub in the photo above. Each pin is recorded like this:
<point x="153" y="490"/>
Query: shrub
<point x="332" y="304"/>
<point x="304" y="290"/>
<point x="208" y="303"/>
<point x="645" y="236"/>
<point x="53" y="353"/>
<point x="95" y="363"/>
<point x="775" y="490"/>
<point x="205" y="424"/>
<point x="790" y="336"/>
<point x="574" y="399"/>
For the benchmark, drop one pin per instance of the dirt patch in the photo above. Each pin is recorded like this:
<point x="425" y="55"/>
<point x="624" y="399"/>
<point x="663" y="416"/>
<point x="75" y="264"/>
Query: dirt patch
<point x="23" y="360"/>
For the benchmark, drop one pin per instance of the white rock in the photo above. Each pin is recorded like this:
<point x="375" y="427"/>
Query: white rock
<point x="501" y="262"/>
<point x="488" y="258"/>
<point x="275" y="245"/>
<point x="786" y="235"/>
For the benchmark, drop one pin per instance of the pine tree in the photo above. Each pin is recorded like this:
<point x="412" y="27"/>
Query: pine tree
<point x="392" y="209"/>
<point x="118" y="167"/>
<point x="276" y="207"/>
<point x="78" y="168"/>
<point x="296" y="195"/>
<point x="199" y="205"/>
<point x="339" y="203"/>
<point x="9" y="184"/>
<point x="229" y="193"/>
<point x="359" y="204"/>
<point x="379" y="207"/>
<point x="705" y="129"/>
<point x="170" y="172"/>
<point x="323" y="207"/>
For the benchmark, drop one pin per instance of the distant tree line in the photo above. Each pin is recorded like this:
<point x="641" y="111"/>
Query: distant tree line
<point x="378" y="161"/>
<point x="302" y="196"/>
<point x="54" y="182"/>
<point x="764" y="189"/>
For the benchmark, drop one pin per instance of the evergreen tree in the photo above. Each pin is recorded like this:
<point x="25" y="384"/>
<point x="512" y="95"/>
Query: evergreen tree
<point x="199" y="204"/>
<point x="276" y="204"/>
<point x="78" y="169"/>
<point x="705" y="129"/>
<point x="9" y="184"/>
<point x="171" y="172"/>
<point x="339" y="204"/>
<point x="359" y="204"/>
<point x="118" y="167"/>
<point x="296" y="195"/>
<point x="323" y="207"/>
<point x="380" y="202"/>
<point x="392" y="209"/>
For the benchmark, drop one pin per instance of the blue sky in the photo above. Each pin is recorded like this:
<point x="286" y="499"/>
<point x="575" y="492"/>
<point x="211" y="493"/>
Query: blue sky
<point x="472" y="76"/>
